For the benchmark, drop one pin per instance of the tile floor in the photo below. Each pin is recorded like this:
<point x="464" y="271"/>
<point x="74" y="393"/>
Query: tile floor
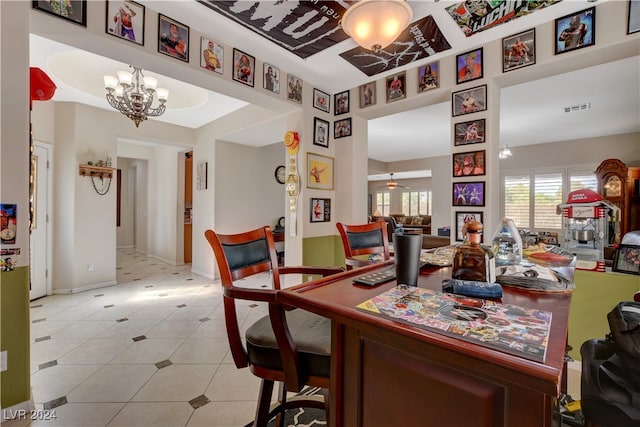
<point x="150" y="351"/>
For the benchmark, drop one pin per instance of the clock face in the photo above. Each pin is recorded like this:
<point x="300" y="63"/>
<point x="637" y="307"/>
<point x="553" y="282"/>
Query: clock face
<point x="281" y="174"/>
<point x="7" y="234"/>
<point x="613" y="187"/>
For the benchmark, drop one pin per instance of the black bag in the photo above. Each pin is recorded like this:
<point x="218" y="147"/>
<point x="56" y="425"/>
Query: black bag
<point x="624" y="323"/>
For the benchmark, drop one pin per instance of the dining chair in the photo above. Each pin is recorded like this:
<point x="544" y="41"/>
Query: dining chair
<point x="363" y="240"/>
<point x="290" y="346"/>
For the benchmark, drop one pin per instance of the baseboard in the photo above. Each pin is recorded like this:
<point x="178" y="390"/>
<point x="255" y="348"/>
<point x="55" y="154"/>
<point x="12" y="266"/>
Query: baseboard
<point x="204" y="274"/>
<point x="85" y="288"/>
<point x="20" y="411"/>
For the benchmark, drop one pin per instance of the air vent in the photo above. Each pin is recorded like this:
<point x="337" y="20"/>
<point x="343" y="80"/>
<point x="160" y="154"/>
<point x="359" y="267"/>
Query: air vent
<point x="575" y="108"/>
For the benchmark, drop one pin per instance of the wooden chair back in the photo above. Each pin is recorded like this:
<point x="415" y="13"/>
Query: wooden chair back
<point x="365" y="239"/>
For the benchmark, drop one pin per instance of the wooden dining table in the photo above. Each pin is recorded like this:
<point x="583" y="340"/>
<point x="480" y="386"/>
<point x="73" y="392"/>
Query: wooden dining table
<point x="385" y="372"/>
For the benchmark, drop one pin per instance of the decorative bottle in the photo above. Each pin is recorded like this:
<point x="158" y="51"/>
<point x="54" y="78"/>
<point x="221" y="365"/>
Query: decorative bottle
<point x="471" y="260"/>
<point x="507" y="243"/>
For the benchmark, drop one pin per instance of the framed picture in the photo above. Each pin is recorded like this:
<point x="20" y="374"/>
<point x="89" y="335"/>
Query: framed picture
<point x="468" y="193"/>
<point x="469" y="164"/>
<point x="202" y="176"/>
<point x="320" y="132"/>
<point x="321" y="100"/>
<point x="173" y="38"/>
<point x="471" y="132"/>
<point x="367" y="94"/>
<point x="462" y="218"/>
<point x="294" y="88"/>
<point x="342" y="128"/>
<point x="74" y="11"/>
<point x="125" y="19"/>
<point x="320" y="171"/>
<point x="428" y="77"/>
<point x="519" y="50"/>
<point x="469" y="101"/>
<point x="212" y="55"/>
<point x="271" y="81"/>
<point x="396" y="85"/>
<point x="244" y="66"/>
<point x="576" y="30"/>
<point x="341" y="103"/>
<point x="320" y="210"/>
<point x="633" y="19"/>
<point x="627" y="259"/>
<point x="469" y="66"/>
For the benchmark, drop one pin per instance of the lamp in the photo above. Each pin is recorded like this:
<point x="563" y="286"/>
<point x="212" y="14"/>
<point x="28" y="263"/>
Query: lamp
<point x="505" y="152"/>
<point x="374" y="24"/>
<point x="132" y="94"/>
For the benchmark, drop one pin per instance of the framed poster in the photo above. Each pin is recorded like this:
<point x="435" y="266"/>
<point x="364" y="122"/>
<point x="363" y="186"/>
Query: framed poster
<point x="469" y="164"/>
<point x="294" y="88"/>
<point x="202" y="176"/>
<point x="469" y="66"/>
<point x="8" y="223"/>
<point x="471" y="132"/>
<point x="468" y="193"/>
<point x="367" y="94"/>
<point x="428" y="77"/>
<point x="320" y="210"/>
<point x="627" y="259"/>
<point x="271" y="81"/>
<point x="212" y="55"/>
<point x="173" y="38"/>
<point x="320" y="171"/>
<point x="321" y="100"/>
<point x="462" y="218"/>
<point x="519" y="50"/>
<point x="576" y="30"/>
<point x="342" y="128"/>
<point x="469" y="101"/>
<point x="320" y="132"/>
<point x="74" y="10"/>
<point x="396" y="85"/>
<point x="633" y="18"/>
<point x="125" y="19"/>
<point x="341" y="103"/>
<point x="244" y="66"/>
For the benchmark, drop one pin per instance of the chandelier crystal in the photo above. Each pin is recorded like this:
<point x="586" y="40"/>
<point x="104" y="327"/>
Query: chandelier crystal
<point x="374" y="24"/>
<point x="132" y="94"/>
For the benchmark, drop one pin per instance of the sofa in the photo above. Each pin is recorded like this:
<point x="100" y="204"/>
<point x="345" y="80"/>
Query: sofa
<point x="415" y="222"/>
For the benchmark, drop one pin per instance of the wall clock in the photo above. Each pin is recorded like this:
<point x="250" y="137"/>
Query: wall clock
<point x="281" y="174"/>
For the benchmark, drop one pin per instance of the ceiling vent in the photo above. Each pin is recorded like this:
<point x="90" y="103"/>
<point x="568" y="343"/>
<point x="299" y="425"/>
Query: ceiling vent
<point x="574" y="108"/>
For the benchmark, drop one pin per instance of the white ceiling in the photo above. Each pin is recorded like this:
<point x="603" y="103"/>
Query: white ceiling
<point x="531" y="113"/>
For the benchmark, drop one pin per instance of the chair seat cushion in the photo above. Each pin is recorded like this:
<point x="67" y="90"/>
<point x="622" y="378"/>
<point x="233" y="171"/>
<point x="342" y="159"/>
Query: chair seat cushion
<point x="310" y="332"/>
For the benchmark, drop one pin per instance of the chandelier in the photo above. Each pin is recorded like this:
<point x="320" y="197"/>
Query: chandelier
<point x="132" y="94"/>
<point x="504" y="153"/>
<point x="374" y="24"/>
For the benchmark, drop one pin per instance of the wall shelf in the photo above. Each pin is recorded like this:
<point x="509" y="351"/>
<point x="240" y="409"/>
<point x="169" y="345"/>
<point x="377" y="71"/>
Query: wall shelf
<point x="96" y="171"/>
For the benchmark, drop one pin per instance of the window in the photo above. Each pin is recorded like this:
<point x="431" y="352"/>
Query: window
<point x="416" y="203"/>
<point x="531" y="197"/>
<point x="382" y="202"/>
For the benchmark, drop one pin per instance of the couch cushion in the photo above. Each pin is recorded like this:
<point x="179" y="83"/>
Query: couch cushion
<point x="416" y="220"/>
<point x="426" y="219"/>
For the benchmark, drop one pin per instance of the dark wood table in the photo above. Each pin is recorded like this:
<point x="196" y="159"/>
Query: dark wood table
<point x="386" y="373"/>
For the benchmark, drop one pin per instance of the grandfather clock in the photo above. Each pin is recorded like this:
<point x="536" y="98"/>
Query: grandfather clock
<point x="613" y="186"/>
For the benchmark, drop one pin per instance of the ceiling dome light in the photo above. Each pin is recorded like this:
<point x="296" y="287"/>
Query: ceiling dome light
<point x="374" y="24"/>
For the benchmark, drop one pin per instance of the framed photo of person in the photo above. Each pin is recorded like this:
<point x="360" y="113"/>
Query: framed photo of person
<point x="627" y="259"/>
<point x="396" y="87"/>
<point x="320" y="210"/>
<point x="320" y="132"/>
<point x="469" y="101"/>
<point x="125" y="19"/>
<point x="320" y="171"/>
<point x="471" y="132"/>
<point x="633" y="17"/>
<point x="212" y="55"/>
<point x="321" y="100"/>
<point x="468" y="193"/>
<point x="469" y="164"/>
<point x="74" y="11"/>
<point x="173" y="38"/>
<point x="469" y="66"/>
<point x="271" y="80"/>
<point x="341" y="103"/>
<point x="367" y="94"/>
<point x="519" y="50"/>
<point x="428" y="77"/>
<point x="575" y="31"/>
<point x="244" y="66"/>
<point x="294" y="88"/>
<point x="342" y="128"/>
<point x="462" y="218"/>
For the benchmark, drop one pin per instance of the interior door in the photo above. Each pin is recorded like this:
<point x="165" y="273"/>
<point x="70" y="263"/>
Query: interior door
<point x="39" y="238"/>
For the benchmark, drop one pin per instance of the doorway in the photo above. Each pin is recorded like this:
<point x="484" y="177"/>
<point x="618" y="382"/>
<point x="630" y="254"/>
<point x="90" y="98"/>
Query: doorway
<point x="40" y="236"/>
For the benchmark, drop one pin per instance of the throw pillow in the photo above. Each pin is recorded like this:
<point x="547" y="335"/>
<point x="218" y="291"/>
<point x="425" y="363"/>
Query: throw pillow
<point x="416" y="220"/>
<point x="426" y="220"/>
